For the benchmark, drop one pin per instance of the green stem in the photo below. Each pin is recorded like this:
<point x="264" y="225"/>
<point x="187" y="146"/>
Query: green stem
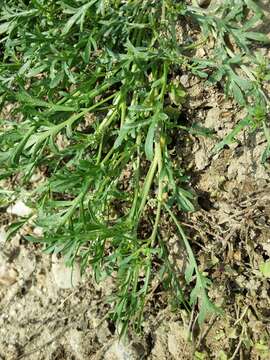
<point x="100" y="150"/>
<point x="164" y="85"/>
<point x="199" y="276"/>
<point x="111" y="115"/>
<point x="160" y="193"/>
<point x="147" y="184"/>
<point x="159" y="147"/>
<point x="110" y="152"/>
<point x="185" y="240"/>
<point x="123" y="113"/>
<point x="76" y="203"/>
<point x="163" y="11"/>
<point x="137" y="177"/>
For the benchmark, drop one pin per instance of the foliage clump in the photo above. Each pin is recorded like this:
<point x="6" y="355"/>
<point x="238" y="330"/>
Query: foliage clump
<point x="95" y="86"/>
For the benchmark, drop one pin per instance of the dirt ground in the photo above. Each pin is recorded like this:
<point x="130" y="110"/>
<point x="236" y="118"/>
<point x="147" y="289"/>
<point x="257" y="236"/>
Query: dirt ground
<point x="44" y="315"/>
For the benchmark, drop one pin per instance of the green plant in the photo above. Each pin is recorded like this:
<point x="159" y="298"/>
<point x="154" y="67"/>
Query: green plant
<point x="95" y="90"/>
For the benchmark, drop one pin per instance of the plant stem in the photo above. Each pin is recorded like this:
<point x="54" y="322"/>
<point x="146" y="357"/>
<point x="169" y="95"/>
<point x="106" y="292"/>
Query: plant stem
<point x="148" y="183"/>
<point x="159" y="195"/>
<point x="186" y="242"/>
<point x="137" y="178"/>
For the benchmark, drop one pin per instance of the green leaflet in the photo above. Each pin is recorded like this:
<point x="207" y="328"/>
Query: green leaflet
<point x="78" y="17"/>
<point x="149" y="142"/>
<point x="26" y="98"/>
<point x="258" y="37"/>
<point x="4" y="27"/>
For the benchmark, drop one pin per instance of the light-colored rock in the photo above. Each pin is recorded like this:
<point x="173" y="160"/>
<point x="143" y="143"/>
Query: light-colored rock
<point x="3" y="236"/>
<point x="79" y="343"/>
<point x="266" y="247"/>
<point x="65" y="277"/>
<point x="26" y="263"/>
<point x="200" y="52"/>
<point x="8" y="276"/>
<point x="212" y="118"/>
<point x="38" y="231"/>
<point x="119" y="351"/>
<point x="19" y="209"/>
<point x="184" y="79"/>
<point x="201" y="159"/>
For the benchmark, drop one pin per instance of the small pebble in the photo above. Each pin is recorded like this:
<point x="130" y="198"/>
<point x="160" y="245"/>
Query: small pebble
<point x="3" y="236"/>
<point x="65" y="277"/>
<point x="19" y="209"/>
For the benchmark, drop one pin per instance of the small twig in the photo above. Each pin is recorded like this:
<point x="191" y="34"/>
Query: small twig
<point x="237" y="348"/>
<point x="242" y="316"/>
<point x="242" y="332"/>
